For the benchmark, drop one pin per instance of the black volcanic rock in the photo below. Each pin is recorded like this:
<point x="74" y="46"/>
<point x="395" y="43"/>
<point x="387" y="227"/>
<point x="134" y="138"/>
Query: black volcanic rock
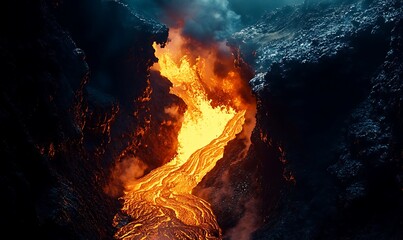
<point x="71" y="72"/>
<point x="329" y="87"/>
<point x="116" y="41"/>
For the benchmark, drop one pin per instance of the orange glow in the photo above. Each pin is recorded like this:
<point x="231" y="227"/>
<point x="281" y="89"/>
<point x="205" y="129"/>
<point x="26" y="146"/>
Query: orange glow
<point x="161" y="204"/>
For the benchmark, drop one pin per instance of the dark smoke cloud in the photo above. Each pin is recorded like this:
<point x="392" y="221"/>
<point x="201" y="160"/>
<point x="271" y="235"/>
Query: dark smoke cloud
<point x="207" y="20"/>
<point x="211" y="19"/>
<point x="204" y="20"/>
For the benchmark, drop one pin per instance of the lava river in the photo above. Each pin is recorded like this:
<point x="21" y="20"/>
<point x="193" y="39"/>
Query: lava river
<point x="160" y="205"/>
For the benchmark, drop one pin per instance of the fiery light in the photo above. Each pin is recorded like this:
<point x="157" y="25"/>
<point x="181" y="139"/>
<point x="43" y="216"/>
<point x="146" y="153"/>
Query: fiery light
<point x="161" y="205"/>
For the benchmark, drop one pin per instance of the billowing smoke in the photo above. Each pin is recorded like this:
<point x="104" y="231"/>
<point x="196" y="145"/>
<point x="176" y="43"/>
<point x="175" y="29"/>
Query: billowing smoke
<point x="203" y="20"/>
<point x="248" y="223"/>
<point x="124" y="172"/>
<point x="207" y="20"/>
<point x="249" y="207"/>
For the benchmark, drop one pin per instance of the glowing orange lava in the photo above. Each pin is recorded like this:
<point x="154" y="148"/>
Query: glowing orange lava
<point x="161" y="205"/>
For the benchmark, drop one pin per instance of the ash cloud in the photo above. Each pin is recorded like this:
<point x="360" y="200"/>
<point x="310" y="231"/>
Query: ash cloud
<point x="207" y="20"/>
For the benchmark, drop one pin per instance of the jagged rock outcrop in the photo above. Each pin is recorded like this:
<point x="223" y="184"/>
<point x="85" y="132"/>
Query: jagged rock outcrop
<point x="72" y="71"/>
<point x="329" y="87"/>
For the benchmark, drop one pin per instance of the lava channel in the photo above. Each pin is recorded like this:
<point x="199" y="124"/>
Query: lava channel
<point x="160" y="205"/>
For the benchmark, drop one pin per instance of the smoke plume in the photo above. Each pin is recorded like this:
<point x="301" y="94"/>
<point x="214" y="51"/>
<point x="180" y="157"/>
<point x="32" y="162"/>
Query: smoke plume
<point x="207" y="20"/>
<point x="124" y="172"/>
<point x="247" y="224"/>
<point x="202" y="20"/>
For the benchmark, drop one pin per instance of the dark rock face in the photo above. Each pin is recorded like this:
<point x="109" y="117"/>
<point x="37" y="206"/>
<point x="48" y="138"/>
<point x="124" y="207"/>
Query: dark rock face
<point x="329" y="87"/>
<point x="71" y="72"/>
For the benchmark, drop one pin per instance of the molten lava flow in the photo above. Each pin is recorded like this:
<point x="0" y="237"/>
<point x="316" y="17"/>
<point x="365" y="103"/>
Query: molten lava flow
<point x="161" y="205"/>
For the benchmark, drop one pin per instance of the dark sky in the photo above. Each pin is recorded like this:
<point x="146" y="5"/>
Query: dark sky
<point x="207" y="19"/>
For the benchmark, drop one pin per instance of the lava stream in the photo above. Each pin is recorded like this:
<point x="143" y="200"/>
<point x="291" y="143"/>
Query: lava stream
<point x="161" y="205"/>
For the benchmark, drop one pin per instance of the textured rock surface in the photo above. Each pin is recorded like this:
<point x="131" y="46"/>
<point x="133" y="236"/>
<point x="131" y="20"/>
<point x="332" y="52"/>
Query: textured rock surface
<point x="329" y="87"/>
<point x="71" y="71"/>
